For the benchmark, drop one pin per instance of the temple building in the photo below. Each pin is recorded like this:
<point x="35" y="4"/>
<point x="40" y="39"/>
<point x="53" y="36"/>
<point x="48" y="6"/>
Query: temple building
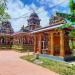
<point x="50" y="40"/>
<point x="23" y="37"/>
<point x="6" y="32"/>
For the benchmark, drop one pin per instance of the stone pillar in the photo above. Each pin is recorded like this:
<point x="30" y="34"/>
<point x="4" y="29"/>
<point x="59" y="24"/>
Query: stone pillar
<point x="0" y="40"/>
<point x="35" y="43"/>
<point x="40" y="41"/>
<point x="28" y="39"/>
<point x="24" y="40"/>
<point x="62" y="52"/>
<point x="52" y="43"/>
<point x="49" y="43"/>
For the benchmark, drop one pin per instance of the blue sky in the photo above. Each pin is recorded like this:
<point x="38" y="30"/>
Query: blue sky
<point x="44" y="9"/>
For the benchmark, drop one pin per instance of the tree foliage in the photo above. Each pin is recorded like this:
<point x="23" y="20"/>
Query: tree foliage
<point x="72" y="7"/>
<point x="72" y="33"/>
<point x="65" y="26"/>
<point x="71" y="16"/>
<point x="3" y="14"/>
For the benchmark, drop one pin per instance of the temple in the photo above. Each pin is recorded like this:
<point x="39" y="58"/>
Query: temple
<point x="6" y="32"/>
<point x="51" y="40"/>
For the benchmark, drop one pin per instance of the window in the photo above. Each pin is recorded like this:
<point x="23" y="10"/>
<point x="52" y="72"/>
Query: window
<point x="45" y="41"/>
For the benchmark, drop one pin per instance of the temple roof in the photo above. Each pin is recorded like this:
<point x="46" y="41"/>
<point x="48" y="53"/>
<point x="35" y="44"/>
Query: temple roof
<point x="56" y="19"/>
<point x="6" y="28"/>
<point x="33" y="15"/>
<point x="46" y="28"/>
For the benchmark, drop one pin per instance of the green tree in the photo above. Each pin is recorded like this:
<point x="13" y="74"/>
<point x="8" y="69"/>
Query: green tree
<point x="71" y="16"/>
<point x="3" y="14"/>
<point x="72" y="35"/>
<point x="72" y="7"/>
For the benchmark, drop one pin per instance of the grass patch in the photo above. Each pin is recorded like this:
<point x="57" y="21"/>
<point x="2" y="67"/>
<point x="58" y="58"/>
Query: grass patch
<point x="58" y="67"/>
<point x="23" y="48"/>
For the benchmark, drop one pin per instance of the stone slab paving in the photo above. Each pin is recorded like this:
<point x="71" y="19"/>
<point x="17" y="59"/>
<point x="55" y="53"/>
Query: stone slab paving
<point x="11" y="64"/>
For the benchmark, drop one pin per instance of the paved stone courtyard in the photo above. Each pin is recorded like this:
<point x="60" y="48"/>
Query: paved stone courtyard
<point x="11" y="64"/>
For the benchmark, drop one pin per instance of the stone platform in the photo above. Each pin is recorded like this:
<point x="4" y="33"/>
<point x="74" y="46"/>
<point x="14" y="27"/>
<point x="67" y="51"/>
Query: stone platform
<point x="57" y="58"/>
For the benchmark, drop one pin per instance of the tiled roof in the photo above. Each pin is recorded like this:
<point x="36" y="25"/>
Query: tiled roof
<point x="46" y="28"/>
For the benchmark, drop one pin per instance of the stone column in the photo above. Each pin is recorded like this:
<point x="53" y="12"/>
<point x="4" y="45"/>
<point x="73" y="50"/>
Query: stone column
<point x="40" y="41"/>
<point x="34" y="43"/>
<point x="49" y="43"/>
<point x="62" y="52"/>
<point x="0" y="40"/>
<point x="52" y="43"/>
<point x="28" y="39"/>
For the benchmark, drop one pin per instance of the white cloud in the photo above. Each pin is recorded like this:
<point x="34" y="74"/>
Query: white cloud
<point x="17" y="9"/>
<point x="53" y="2"/>
<point x="43" y="17"/>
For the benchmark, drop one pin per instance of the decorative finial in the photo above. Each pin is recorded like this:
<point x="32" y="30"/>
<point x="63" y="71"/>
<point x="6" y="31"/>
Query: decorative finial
<point x="33" y="10"/>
